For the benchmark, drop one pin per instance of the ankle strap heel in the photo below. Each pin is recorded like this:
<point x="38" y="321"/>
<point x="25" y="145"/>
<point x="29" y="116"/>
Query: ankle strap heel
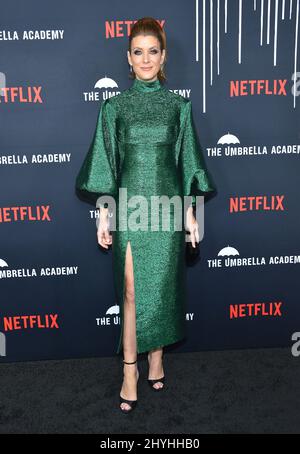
<point x="129" y="363"/>
<point x="132" y="403"/>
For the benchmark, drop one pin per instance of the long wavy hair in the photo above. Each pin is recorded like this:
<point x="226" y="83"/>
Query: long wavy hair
<point x="149" y="26"/>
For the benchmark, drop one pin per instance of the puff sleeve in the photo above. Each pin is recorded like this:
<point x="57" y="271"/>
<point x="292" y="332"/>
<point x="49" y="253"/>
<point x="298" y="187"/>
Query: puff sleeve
<point x="195" y="177"/>
<point x="98" y="173"/>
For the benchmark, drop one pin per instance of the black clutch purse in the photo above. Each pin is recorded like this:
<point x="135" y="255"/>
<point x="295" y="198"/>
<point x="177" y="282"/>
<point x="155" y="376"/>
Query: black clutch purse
<point x="192" y="254"/>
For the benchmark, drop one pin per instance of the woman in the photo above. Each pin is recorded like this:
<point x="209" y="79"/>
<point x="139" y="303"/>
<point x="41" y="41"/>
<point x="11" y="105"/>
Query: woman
<point x="145" y="142"/>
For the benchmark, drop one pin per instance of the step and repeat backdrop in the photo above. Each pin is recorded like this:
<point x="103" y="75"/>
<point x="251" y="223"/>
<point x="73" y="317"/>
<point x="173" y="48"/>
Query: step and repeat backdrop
<point x="239" y="62"/>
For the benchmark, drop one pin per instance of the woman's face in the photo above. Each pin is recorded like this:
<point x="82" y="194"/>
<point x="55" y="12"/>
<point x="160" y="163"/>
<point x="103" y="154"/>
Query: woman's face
<point x="145" y="57"/>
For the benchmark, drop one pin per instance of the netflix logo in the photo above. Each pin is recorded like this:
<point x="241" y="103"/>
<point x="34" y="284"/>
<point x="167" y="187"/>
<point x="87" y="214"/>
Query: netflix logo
<point x="256" y="203"/>
<point x="255" y="309"/>
<point x="122" y="28"/>
<point x="17" y="322"/>
<point x="257" y="87"/>
<point x="24" y="213"/>
<point x="20" y="95"/>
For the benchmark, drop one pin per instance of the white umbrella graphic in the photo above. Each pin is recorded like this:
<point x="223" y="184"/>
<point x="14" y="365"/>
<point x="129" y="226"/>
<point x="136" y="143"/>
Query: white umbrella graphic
<point x="3" y="263"/>
<point x="228" y="139"/>
<point x="105" y="83"/>
<point x="113" y="310"/>
<point x="227" y="251"/>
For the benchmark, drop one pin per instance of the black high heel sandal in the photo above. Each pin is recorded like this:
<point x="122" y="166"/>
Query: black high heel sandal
<point x="132" y="403"/>
<point x="152" y="381"/>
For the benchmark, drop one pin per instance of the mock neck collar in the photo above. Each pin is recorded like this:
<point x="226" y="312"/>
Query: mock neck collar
<point x="146" y="86"/>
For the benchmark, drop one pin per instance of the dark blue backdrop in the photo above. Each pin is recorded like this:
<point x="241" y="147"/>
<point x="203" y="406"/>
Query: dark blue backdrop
<point x="51" y="56"/>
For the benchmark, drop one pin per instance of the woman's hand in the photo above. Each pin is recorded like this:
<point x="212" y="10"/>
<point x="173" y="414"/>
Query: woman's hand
<point x="103" y="234"/>
<point x="192" y="226"/>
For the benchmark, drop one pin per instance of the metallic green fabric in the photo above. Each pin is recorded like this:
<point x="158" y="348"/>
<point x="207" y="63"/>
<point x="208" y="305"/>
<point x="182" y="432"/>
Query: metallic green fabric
<point x="145" y="141"/>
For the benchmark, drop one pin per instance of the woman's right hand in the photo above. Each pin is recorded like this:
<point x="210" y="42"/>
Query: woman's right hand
<point x="103" y="234"/>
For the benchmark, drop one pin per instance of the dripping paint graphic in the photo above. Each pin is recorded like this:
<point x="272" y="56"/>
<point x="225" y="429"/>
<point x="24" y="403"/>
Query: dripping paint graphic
<point x="283" y="10"/>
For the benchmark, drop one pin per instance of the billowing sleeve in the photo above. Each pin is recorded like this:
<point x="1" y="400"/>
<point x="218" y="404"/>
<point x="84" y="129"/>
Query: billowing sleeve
<point x="98" y="173"/>
<point x="195" y="177"/>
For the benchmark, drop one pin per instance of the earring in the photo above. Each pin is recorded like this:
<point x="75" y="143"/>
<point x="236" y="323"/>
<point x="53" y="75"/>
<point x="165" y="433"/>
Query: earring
<point x="131" y="68"/>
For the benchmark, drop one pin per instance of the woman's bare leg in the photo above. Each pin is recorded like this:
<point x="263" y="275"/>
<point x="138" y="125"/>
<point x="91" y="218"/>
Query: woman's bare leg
<point x="129" y="387"/>
<point x="156" y="369"/>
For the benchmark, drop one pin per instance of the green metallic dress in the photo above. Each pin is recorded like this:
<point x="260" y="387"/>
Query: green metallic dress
<point x="145" y="141"/>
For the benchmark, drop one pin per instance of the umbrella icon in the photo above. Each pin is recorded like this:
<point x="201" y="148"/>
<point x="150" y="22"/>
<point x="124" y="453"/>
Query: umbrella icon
<point x="3" y="263"/>
<point x="227" y="251"/>
<point x="105" y="82"/>
<point x="113" y="310"/>
<point x="228" y="139"/>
